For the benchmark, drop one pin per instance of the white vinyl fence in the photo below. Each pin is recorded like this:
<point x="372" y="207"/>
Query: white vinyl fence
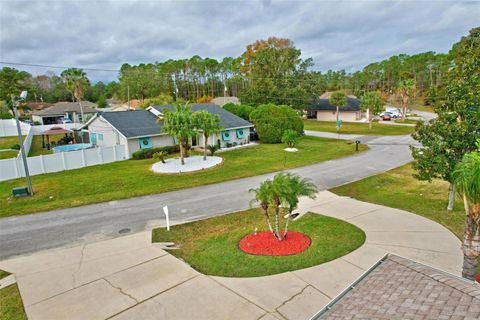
<point x="27" y="143"/>
<point x="8" y="128"/>
<point x="13" y="168"/>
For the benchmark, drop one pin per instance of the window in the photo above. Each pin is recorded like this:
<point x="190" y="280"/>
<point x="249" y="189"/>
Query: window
<point x="240" y="133"/>
<point x="145" y="143"/>
<point x="93" y="138"/>
<point x="226" y="135"/>
<point x="100" y="136"/>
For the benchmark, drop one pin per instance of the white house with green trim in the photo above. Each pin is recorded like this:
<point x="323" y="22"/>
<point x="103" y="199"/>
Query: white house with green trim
<point x="142" y="129"/>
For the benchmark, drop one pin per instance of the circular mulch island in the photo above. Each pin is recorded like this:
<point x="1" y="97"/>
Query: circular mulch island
<point x="265" y="244"/>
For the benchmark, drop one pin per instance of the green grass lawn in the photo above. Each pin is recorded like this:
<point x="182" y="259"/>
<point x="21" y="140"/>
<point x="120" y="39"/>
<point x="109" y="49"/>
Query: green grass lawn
<point x="131" y="178"/>
<point x="8" y="142"/>
<point x="36" y="148"/>
<point x="11" y="305"/>
<point x="399" y="189"/>
<point x="211" y="246"/>
<point x="423" y="108"/>
<point x="406" y="121"/>
<point x="3" y="274"/>
<point x="8" y="154"/>
<point x="358" y="128"/>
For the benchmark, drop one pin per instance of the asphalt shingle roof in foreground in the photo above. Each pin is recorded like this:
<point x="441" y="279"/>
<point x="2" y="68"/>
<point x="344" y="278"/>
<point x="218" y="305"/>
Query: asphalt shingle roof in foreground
<point x="400" y="288"/>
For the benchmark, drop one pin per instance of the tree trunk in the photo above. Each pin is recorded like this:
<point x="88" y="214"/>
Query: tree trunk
<point x="286" y="224"/>
<point x="182" y="151"/>
<point x="369" y="119"/>
<point x="277" y="218"/>
<point x="469" y="268"/>
<point x="205" y="138"/>
<point x="471" y="241"/>
<point x="337" y="114"/>
<point x="451" y="197"/>
<point x="267" y="218"/>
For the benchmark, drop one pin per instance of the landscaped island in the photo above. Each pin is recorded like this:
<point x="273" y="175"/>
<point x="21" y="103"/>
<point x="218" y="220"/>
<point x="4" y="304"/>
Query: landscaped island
<point x="212" y="246"/>
<point x="131" y="178"/>
<point x="378" y="129"/>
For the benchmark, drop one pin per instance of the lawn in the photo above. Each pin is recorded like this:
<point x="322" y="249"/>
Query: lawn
<point x="11" y="305"/>
<point x="406" y="121"/>
<point x="131" y="178"/>
<point x="8" y="154"/>
<point x="3" y="274"/>
<point x="358" y="128"/>
<point x="36" y="148"/>
<point x="211" y="246"/>
<point x="8" y="142"/>
<point x="398" y="188"/>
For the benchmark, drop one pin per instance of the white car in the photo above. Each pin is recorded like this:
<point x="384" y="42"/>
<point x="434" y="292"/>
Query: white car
<point x="395" y="112"/>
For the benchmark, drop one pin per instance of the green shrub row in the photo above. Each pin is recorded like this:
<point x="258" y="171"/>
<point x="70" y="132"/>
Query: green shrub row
<point x="148" y="153"/>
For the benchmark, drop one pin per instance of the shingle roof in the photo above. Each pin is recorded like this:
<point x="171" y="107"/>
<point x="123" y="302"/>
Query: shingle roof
<point x="403" y="289"/>
<point x="134" y="123"/>
<point x="227" y="119"/>
<point x="353" y="104"/>
<point x="144" y="123"/>
<point x="60" y="108"/>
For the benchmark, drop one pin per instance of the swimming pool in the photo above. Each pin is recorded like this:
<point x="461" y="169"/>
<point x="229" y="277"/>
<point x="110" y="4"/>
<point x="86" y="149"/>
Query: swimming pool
<point x="72" y="147"/>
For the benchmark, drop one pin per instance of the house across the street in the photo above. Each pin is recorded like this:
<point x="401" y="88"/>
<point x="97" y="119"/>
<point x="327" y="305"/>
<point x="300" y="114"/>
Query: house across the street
<point x="65" y="111"/>
<point x="142" y="129"/>
<point x="322" y="110"/>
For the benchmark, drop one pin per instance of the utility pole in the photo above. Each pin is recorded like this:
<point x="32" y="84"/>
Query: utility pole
<point x="15" y="101"/>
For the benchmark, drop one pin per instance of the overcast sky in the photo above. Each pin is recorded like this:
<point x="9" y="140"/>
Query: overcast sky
<point x="337" y="35"/>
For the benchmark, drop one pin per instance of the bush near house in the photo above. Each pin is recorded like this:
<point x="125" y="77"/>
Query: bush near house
<point x="242" y="110"/>
<point x="273" y="120"/>
<point x="148" y="153"/>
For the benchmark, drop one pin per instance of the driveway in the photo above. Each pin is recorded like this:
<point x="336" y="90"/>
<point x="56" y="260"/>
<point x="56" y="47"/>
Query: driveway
<point x="131" y="278"/>
<point x="31" y="233"/>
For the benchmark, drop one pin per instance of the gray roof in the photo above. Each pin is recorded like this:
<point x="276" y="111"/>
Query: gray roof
<point x="399" y="288"/>
<point x="141" y="123"/>
<point x="60" y="108"/>
<point x="136" y="123"/>
<point x="227" y="119"/>
<point x="353" y="104"/>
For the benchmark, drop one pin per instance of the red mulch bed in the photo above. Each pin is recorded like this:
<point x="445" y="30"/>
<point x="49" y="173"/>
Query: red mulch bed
<point x="265" y="244"/>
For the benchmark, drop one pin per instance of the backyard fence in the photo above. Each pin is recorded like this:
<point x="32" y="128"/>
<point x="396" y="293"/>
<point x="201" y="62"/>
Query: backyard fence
<point x="27" y="143"/>
<point x="13" y="168"/>
<point x="8" y="128"/>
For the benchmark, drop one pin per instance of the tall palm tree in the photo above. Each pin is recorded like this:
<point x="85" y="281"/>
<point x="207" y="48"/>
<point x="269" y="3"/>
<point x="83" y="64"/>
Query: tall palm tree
<point x="467" y="181"/>
<point x="76" y="80"/>
<point x="208" y="124"/>
<point x="297" y="187"/>
<point x="263" y="196"/>
<point x="338" y="99"/>
<point x="179" y="124"/>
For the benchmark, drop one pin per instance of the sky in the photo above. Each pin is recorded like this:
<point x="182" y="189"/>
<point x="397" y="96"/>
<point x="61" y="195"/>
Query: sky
<point x="337" y="35"/>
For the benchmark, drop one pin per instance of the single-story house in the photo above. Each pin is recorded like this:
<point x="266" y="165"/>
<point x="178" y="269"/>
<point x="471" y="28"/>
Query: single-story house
<point x="36" y="106"/>
<point x="221" y="101"/>
<point x="65" y="110"/>
<point x="322" y="110"/>
<point x="142" y="129"/>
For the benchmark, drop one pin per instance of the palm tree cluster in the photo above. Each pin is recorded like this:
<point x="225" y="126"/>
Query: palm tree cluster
<point x="284" y="191"/>
<point x="183" y="124"/>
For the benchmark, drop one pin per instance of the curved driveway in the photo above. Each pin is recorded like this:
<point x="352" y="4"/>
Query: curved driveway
<point x="30" y="233"/>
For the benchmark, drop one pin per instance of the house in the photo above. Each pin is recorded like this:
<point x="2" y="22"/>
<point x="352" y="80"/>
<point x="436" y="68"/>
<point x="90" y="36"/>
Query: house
<point x="36" y="106"/>
<point x="322" y="110"/>
<point x="399" y="288"/>
<point x="221" y="101"/>
<point x="142" y="129"/>
<point x="65" y="110"/>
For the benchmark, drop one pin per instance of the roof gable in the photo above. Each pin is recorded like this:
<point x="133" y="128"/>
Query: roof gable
<point x="353" y="104"/>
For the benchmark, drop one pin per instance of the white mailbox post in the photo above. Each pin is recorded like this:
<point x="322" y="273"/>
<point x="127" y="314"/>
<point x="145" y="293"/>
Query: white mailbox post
<point x="165" y="210"/>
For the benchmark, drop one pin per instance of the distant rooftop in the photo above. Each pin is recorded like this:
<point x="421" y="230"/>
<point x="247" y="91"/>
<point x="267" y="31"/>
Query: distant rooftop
<point x="60" y="108"/>
<point x="399" y="288"/>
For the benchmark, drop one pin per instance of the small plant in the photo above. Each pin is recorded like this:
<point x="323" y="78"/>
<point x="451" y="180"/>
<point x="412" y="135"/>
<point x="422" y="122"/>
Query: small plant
<point x="15" y="147"/>
<point x="290" y="138"/>
<point x="213" y="148"/>
<point x="235" y="144"/>
<point x="160" y="155"/>
<point x="228" y="145"/>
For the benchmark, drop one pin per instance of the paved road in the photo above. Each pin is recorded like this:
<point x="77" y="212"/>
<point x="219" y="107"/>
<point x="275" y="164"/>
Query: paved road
<point x="30" y="233"/>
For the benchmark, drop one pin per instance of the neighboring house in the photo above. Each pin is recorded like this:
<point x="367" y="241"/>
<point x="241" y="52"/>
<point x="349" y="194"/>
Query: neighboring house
<point x="220" y="101"/>
<point x="64" y="110"/>
<point x="322" y="110"/>
<point x="398" y="288"/>
<point x="129" y="105"/>
<point x="36" y="106"/>
<point x="142" y="129"/>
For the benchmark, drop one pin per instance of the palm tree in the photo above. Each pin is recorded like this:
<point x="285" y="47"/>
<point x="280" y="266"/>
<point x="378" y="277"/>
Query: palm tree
<point x="208" y="124"/>
<point x="76" y="80"/>
<point x="467" y="181"/>
<point x="338" y="99"/>
<point x="297" y="187"/>
<point x="406" y="90"/>
<point x="179" y="124"/>
<point x="372" y="103"/>
<point x="263" y="196"/>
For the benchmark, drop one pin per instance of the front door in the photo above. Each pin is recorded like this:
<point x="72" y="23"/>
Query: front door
<point x="194" y="141"/>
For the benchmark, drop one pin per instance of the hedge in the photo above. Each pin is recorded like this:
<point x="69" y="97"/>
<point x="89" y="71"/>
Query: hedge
<point x="148" y="153"/>
<point x="271" y="121"/>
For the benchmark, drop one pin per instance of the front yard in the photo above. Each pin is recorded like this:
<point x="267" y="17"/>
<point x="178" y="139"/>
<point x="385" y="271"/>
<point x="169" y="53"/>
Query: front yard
<point x="211" y="246"/>
<point x="132" y="178"/>
<point x="358" y="128"/>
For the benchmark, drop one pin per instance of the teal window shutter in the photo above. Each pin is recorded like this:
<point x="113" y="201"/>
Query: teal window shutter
<point x="226" y="135"/>
<point x="145" y="143"/>
<point x="100" y="136"/>
<point x="93" y="138"/>
<point x="240" y="133"/>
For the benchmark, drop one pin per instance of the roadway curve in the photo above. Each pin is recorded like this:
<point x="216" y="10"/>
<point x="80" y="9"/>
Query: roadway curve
<point x="34" y="232"/>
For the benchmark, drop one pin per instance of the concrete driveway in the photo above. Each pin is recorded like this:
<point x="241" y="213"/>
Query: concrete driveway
<point x="131" y="278"/>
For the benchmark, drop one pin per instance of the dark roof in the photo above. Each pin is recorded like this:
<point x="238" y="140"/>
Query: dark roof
<point x="227" y="119"/>
<point x="353" y="104"/>
<point x="399" y="288"/>
<point x="131" y="124"/>
<point x="60" y="108"/>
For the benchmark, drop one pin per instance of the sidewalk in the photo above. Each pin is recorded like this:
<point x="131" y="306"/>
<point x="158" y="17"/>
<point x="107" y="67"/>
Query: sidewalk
<point x="131" y="278"/>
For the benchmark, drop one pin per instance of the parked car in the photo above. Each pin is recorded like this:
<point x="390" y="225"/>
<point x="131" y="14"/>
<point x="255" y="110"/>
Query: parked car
<point x="65" y="120"/>
<point x="394" y="112"/>
<point x="386" y="116"/>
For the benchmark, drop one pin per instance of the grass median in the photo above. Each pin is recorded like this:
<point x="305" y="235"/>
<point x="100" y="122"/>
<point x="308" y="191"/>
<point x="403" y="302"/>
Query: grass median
<point x="361" y="128"/>
<point x="125" y="179"/>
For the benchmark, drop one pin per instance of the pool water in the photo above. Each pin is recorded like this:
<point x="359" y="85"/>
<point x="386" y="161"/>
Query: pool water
<point x="72" y="147"/>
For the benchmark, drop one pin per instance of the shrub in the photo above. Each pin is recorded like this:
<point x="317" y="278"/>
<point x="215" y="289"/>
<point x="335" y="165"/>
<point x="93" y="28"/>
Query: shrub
<point x="228" y="145"/>
<point x="15" y="147"/>
<point x="148" y="153"/>
<point x="160" y="155"/>
<point x="290" y="137"/>
<point x="213" y="148"/>
<point x="5" y="115"/>
<point x="242" y="110"/>
<point x="271" y="121"/>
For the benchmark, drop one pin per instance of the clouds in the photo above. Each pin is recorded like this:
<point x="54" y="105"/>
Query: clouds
<point x="105" y="34"/>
